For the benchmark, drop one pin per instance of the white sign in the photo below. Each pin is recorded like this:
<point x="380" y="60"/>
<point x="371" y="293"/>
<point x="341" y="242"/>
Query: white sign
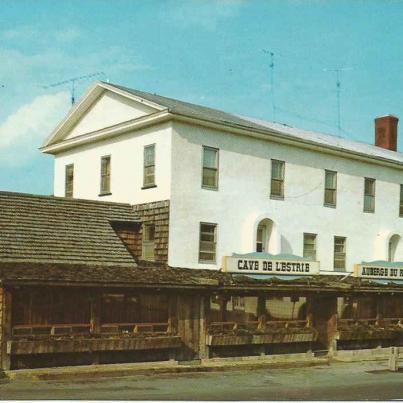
<point x="374" y="271"/>
<point x="239" y="264"/>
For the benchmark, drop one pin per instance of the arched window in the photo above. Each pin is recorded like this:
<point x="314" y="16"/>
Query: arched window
<point x="393" y="242"/>
<point x="263" y="234"/>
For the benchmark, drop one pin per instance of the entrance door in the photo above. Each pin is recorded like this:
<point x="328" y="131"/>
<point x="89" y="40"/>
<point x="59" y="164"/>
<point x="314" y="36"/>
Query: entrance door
<point x="324" y="311"/>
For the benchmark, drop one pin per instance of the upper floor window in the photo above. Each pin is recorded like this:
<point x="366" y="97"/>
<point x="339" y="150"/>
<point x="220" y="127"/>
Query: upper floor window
<point x="369" y="195"/>
<point x="339" y="253"/>
<point x="105" y="175"/>
<point x="208" y="242"/>
<point x="149" y="166"/>
<point x="330" y="188"/>
<point x="310" y="246"/>
<point x="69" y="180"/>
<point x="277" y="179"/>
<point x="148" y="242"/>
<point x="210" y="168"/>
<point x="401" y="202"/>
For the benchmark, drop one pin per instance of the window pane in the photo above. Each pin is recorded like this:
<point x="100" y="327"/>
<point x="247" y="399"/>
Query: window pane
<point x="369" y="203"/>
<point x="277" y="170"/>
<point x="209" y="158"/>
<point x="401" y="201"/>
<point x="276" y="188"/>
<point x="339" y="253"/>
<point x="149" y="155"/>
<point x="310" y="246"/>
<point x="105" y="174"/>
<point x="149" y="165"/>
<point x="69" y="179"/>
<point x="330" y="180"/>
<point x="207" y="245"/>
<point x="330" y="197"/>
<point x="370" y="187"/>
<point x="210" y="177"/>
<point x="149" y="232"/>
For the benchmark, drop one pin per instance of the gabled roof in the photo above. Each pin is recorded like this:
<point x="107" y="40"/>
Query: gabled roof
<point x="55" y="229"/>
<point x="173" y="108"/>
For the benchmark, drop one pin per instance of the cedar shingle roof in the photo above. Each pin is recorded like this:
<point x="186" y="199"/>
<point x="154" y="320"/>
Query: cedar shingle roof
<point x="54" y="229"/>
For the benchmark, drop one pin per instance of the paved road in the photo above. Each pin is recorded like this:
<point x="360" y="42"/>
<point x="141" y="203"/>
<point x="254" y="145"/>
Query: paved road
<point x="336" y="382"/>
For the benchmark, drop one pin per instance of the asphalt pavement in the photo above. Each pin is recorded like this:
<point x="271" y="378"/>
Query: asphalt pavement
<point x="337" y="381"/>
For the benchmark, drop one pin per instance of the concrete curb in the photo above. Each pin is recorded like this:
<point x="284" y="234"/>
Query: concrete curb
<point x="169" y="367"/>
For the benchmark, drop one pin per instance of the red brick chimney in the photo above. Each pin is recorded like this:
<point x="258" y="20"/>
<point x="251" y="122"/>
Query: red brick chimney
<point x="386" y="132"/>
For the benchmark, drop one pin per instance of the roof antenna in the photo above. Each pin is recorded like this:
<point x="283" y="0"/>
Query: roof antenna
<point x="338" y="92"/>
<point x="273" y="104"/>
<point x="73" y="81"/>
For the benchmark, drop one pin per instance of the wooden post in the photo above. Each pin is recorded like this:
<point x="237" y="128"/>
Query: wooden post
<point x="394" y="359"/>
<point x="203" y="348"/>
<point x="95" y="313"/>
<point x="5" y="327"/>
<point x="172" y="321"/>
<point x="95" y="320"/>
<point x="261" y="312"/>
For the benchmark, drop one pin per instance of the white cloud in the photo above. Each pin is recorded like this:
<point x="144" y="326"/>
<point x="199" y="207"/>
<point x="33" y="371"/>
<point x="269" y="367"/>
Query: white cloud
<point x="24" y="131"/>
<point x="204" y="13"/>
<point x="35" y="34"/>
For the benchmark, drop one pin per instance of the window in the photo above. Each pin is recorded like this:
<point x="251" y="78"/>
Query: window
<point x="238" y="303"/>
<point x="330" y="188"/>
<point x="148" y="242"/>
<point x="401" y="202"/>
<point x="208" y="242"/>
<point x="149" y="166"/>
<point x="69" y="179"/>
<point x="277" y="179"/>
<point x="339" y="253"/>
<point x="260" y="238"/>
<point x="369" y="195"/>
<point x="105" y="175"/>
<point x="310" y="246"/>
<point x="210" y="168"/>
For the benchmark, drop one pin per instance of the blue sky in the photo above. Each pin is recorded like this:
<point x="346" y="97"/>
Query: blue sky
<point x="207" y="52"/>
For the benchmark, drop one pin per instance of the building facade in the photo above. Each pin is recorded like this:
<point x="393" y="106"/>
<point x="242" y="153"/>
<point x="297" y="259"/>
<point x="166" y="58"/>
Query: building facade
<point x="234" y="184"/>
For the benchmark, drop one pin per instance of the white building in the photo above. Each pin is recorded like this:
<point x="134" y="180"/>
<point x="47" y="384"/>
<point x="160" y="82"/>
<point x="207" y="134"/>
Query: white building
<point x="234" y="184"/>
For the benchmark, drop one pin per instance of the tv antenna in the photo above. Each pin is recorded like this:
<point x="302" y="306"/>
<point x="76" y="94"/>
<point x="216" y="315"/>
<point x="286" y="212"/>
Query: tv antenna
<point x="73" y="81"/>
<point x="338" y="91"/>
<point x="273" y="104"/>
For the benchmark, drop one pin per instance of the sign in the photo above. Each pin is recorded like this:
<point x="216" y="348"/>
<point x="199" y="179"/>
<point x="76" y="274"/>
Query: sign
<point x="378" y="271"/>
<point x="257" y="265"/>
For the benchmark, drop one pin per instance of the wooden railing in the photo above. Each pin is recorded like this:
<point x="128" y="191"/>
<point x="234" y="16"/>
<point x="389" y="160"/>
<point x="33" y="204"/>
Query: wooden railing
<point x="86" y="329"/>
<point x="51" y="330"/>
<point x="384" y="322"/>
<point x="137" y="328"/>
<point x="257" y="325"/>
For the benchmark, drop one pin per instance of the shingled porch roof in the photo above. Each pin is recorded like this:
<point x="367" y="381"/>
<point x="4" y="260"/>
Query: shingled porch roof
<point x="47" y="229"/>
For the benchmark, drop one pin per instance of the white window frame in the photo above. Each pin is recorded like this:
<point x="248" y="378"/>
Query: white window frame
<point x="148" y="244"/>
<point x="338" y="255"/>
<point x="330" y="189"/>
<point x="280" y="180"/>
<point x="149" y="165"/>
<point x="305" y="235"/>
<point x="69" y="184"/>
<point x="214" y="169"/>
<point x="214" y="242"/>
<point x="371" y="197"/>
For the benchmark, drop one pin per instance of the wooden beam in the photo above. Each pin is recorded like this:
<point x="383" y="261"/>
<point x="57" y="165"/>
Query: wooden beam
<point x="5" y="327"/>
